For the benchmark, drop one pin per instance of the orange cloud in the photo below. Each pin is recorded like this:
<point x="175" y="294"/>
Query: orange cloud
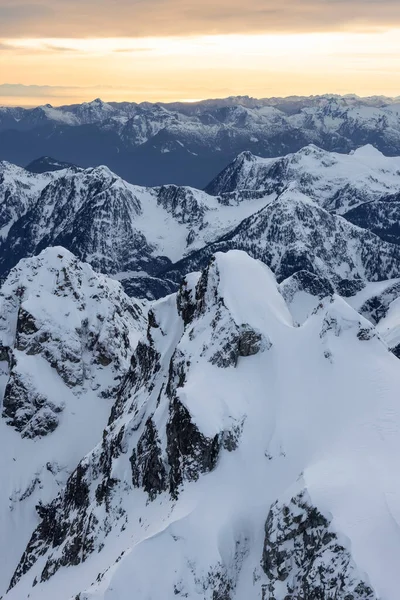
<point x="128" y="18"/>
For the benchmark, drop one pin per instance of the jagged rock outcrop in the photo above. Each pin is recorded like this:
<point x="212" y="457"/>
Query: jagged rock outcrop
<point x="303" y="292"/>
<point x="160" y="460"/>
<point x="19" y="190"/>
<point x="303" y="557"/>
<point x="66" y="339"/>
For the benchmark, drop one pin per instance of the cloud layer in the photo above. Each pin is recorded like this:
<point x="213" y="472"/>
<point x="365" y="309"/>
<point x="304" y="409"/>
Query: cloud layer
<point x="136" y="18"/>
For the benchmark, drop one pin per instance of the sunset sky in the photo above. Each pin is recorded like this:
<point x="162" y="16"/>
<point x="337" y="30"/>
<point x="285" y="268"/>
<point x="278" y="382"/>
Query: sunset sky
<point x="66" y="51"/>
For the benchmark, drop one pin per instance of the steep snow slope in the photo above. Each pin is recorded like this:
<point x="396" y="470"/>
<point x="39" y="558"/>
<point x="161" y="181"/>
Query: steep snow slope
<point x="337" y="182"/>
<point x="66" y="338"/>
<point x="245" y="457"/>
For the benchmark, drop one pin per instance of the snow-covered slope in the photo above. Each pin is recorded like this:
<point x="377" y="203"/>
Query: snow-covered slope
<point x="338" y="182"/>
<point x="246" y="456"/>
<point x="66" y="339"/>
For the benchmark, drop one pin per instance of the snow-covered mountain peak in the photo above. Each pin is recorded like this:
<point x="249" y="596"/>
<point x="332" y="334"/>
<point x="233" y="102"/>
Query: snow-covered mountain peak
<point x="245" y="156"/>
<point x="48" y="113"/>
<point x="367" y="151"/>
<point x="374" y="159"/>
<point x="102" y="171"/>
<point x="8" y="169"/>
<point x="61" y="322"/>
<point x="19" y="190"/>
<point x="336" y="181"/>
<point x="89" y="112"/>
<point x="247" y="288"/>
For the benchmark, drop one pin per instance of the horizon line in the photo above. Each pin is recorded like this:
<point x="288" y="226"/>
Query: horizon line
<point x="196" y="100"/>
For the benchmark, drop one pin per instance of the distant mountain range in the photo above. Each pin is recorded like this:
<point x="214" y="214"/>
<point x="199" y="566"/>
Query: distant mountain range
<point x="189" y="144"/>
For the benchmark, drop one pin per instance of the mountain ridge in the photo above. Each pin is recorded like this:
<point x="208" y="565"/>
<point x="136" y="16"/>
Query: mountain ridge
<point x="154" y="229"/>
<point x="154" y="144"/>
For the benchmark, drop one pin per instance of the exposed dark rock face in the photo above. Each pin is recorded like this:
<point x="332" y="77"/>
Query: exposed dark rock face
<point x="144" y="363"/>
<point x="333" y="324"/>
<point x="75" y="544"/>
<point x="190" y="453"/>
<point x="5" y="355"/>
<point x="377" y="307"/>
<point x="349" y="287"/>
<point x="186" y="301"/>
<point x="182" y="204"/>
<point x="304" y="281"/>
<point x="396" y="351"/>
<point x="304" y="559"/>
<point x="250" y="342"/>
<point x="49" y="531"/>
<point x="29" y="412"/>
<point x="148" y="470"/>
<point x="242" y="341"/>
<point x="381" y="217"/>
